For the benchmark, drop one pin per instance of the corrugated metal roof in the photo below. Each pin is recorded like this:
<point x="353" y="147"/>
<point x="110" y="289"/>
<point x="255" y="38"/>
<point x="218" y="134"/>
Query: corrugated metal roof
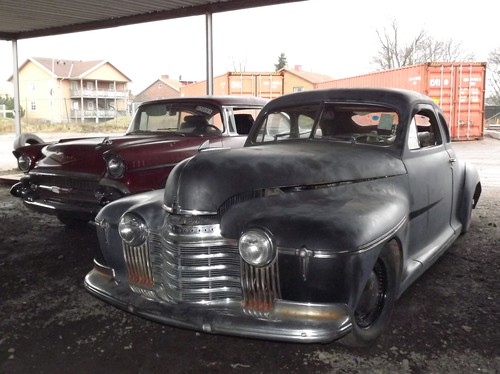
<point x="34" y="18"/>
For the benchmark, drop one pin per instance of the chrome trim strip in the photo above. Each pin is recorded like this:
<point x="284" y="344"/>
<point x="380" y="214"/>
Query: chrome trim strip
<point x="323" y="253"/>
<point x="55" y="206"/>
<point x="62" y="174"/>
<point x="187" y="211"/>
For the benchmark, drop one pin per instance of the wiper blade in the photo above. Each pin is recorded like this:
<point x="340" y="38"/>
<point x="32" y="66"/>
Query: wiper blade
<point x="156" y="132"/>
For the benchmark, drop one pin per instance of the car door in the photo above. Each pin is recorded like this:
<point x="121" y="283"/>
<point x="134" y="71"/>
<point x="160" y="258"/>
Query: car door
<point x="430" y="175"/>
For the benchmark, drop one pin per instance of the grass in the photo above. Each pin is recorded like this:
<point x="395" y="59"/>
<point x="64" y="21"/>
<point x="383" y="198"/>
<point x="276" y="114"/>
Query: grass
<point x="120" y="124"/>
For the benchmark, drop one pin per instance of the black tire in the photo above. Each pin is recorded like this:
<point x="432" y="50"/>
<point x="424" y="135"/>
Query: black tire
<point x="373" y="312"/>
<point x="26" y="139"/>
<point x="72" y="222"/>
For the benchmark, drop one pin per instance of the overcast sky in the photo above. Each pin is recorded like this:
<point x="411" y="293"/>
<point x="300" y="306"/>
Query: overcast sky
<point x="324" y="36"/>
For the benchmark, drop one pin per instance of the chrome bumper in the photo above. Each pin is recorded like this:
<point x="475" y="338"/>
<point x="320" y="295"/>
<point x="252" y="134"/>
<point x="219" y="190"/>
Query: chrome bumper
<point x="63" y="199"/>
<point x="288" y="321"/>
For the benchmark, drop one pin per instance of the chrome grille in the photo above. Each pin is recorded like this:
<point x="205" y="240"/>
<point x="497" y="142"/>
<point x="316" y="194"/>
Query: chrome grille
<point x="138" y="263"/>
<point x="79" y="184"/>
<point x="260" y="287"/>
<point x="195" y="264"/>
<point x="196" y="274"/>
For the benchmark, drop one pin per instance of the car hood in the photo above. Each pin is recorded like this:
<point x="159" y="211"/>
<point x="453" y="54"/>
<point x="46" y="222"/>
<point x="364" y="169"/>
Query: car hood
<point x="203" y="183"/>
<point x="86" y="154"/>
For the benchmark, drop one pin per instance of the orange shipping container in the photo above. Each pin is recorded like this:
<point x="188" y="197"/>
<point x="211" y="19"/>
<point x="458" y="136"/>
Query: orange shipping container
<point x="266" y="85"/>
<point x="458" y="87"/>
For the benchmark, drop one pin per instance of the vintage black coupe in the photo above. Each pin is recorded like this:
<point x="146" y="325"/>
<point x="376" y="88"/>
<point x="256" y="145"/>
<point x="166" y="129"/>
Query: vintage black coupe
<point x="339" y="200"/>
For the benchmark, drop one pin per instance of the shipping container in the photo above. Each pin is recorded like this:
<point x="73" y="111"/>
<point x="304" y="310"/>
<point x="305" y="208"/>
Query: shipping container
<point x="457" y="87"/>
<point x="266" y="85"/>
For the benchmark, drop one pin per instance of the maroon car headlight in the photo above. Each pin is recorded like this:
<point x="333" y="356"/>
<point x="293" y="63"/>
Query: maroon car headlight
<point x="24" y="162"/>
<point x="132" y="229"/>
<point x="115" y="166"/>
<point x="257" y="247"/>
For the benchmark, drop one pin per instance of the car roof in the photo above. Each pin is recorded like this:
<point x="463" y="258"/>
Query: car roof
<point x="398" y="98"/>
<point x="215" y="99"/>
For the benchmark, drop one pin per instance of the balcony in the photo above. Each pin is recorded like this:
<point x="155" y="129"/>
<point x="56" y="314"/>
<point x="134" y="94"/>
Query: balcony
<point x="104" y="114"/>
<point x="99" y="94"/>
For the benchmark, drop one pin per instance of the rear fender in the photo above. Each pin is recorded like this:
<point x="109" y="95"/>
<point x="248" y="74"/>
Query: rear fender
<point x="470" y="193"/>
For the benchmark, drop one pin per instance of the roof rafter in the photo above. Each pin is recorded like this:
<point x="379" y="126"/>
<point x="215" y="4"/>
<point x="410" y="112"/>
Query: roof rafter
<point x="24" y="22"/>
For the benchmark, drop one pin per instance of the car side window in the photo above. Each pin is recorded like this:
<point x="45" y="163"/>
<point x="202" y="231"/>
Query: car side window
<point x="424" y="130"/>
<point x="242" y="119"/>
<point x="276" y="125"/>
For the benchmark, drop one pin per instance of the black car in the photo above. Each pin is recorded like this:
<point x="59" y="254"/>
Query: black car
<point x="339" y="200"/>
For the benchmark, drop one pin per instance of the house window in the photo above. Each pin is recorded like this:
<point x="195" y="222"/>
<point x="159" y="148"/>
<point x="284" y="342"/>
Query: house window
<point x="89" y="85"/>
<point x="75" y="105"/>
<point x="111" y="86"/>
<point x="32" y="86"/>
<point x="74" y="85"/>
<point x="90" y="105"/>
<point x="33" y="106"/>
<point x="298" y="89"/>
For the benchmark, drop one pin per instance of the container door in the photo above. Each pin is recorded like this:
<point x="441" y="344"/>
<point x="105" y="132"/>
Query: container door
<point x="459" y="90"/>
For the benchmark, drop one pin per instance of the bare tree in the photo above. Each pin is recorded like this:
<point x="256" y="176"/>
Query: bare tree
<point x="430" y="49"/>
<point x="392" y="54"/>
<point x="421" y="48"/>
<point x="494" y="77"/>
<point x="240" y="66"/>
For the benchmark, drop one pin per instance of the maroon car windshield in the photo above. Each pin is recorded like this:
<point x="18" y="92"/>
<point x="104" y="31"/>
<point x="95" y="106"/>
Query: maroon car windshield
<point x="176" y="117"/>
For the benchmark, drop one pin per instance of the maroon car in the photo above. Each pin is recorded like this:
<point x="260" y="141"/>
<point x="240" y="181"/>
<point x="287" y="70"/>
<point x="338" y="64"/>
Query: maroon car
<point x="74" y="178"/>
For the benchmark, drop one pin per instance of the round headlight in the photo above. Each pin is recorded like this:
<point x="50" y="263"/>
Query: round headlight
<point x="132" y="229"/>
<point x="24" y="162"/>
<point x="116" y="167"/>
<point x="257" y="247"/>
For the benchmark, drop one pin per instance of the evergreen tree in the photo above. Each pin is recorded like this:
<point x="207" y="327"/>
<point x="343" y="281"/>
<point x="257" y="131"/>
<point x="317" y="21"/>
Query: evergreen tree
<point x="281" y="62"/>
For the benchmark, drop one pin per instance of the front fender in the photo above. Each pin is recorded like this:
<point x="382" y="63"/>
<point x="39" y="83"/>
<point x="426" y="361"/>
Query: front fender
<point x="146" y="204"/>
<point x="343" y="218"/>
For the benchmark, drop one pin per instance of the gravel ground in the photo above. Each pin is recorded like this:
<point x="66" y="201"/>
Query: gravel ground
<point x="447" y="322"/>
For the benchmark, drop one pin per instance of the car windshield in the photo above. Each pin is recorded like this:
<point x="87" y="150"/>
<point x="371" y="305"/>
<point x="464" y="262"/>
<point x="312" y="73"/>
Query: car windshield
<point x="182" y="118"/>
<point x="355" y="123"/>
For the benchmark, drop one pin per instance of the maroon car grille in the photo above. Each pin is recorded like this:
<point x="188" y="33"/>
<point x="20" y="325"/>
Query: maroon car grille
<point x="66" y="182"/>
<point x="64" y="188"/>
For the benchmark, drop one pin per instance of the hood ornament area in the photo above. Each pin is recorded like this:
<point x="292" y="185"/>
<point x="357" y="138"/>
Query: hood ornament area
<point x="106" y="141"/>
<point x="204" y="145"/>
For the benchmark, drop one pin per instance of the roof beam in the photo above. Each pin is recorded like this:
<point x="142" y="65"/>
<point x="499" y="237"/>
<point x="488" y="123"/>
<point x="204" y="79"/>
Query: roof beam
<point x="214" y="7"/>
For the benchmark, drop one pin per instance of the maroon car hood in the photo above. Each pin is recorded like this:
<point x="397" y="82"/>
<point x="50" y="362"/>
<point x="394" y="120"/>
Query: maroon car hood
<point x="85" y="155"/>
